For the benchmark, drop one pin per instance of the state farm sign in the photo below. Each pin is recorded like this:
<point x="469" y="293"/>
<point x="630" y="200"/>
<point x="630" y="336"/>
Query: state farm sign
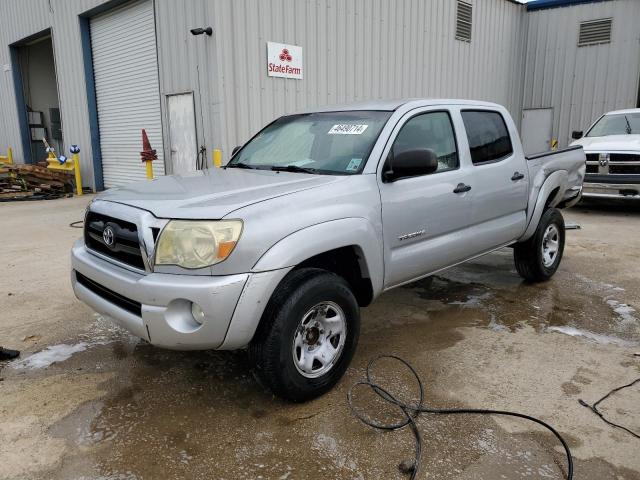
<point x="284" y="60"/>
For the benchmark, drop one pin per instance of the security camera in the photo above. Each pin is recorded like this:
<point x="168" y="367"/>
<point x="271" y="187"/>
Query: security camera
<point x="200" y="31"/>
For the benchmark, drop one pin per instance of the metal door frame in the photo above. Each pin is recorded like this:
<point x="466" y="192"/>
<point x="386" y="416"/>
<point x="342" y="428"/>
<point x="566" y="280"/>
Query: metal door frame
<point x="168" y="124"/>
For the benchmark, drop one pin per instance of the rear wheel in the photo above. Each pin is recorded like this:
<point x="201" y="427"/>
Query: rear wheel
<point x="307" y="336"/>
<point x="538" y="258"/>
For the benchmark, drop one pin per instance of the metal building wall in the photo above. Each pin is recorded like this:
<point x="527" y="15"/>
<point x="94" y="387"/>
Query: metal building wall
<point x="581" y="83"/>
<point x="22" y="18"/>
<point x="353" y="50"/>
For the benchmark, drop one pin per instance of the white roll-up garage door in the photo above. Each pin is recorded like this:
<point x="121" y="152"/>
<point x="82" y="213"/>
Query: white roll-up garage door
<point x="125" y="67"/>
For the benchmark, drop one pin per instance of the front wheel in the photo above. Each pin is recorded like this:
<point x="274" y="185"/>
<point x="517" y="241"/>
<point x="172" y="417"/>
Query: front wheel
<point x="538" y="258"/>
<point x="307" y="336"/>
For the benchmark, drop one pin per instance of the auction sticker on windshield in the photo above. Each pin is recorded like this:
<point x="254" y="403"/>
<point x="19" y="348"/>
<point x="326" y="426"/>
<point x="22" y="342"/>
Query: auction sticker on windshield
<point x="347" y="129"/>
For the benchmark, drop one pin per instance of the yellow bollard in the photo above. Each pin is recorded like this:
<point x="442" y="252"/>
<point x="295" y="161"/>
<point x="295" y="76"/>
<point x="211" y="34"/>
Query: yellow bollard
<point x="217" y="157"/>
<point x="6" y="160"/>
<point x="149" y="170"/>
<point x="76" y="167"/>
<point x="75" y="151"/>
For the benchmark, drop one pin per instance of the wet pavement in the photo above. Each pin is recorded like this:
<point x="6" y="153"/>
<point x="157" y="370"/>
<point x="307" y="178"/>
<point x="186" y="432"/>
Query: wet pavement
<point x="88" y="401"/>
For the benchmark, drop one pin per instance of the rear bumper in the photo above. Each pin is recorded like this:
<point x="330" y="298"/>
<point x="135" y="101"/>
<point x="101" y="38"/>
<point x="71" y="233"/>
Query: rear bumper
<point x="157" y="306"/>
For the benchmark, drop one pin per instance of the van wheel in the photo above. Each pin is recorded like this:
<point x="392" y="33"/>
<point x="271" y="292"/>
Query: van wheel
<point x="307" y="336"/>
<point x="538" y="258"/>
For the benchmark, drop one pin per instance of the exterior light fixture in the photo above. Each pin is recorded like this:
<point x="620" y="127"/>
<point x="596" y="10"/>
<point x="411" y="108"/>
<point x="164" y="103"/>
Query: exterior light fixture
<point x="200" y="31"/>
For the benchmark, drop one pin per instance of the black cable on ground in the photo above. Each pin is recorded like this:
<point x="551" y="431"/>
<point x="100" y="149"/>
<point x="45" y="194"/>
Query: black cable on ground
<point x="77" y="224"/>
<point x="413" y="411"/>
<point x="594" y="407"/>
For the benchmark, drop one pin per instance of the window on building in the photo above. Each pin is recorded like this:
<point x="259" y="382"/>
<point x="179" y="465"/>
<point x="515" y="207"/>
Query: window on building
<point x="594" y="32"/>
<point x="488" y="135"/>
<point x="464" y="21"/>
<point x="431" y="130"/>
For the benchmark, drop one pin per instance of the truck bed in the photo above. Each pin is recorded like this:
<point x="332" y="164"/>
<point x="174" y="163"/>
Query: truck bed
<point x="569" y="161"/>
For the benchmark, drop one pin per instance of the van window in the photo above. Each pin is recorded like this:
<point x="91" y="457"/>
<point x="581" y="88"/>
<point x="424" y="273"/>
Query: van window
<point x="431" y="130"/>
<point x="488" y="135"/>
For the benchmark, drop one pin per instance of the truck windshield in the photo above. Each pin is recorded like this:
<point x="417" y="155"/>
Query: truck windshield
<point x="335" y="143"/>
<point x="618" y="124"/>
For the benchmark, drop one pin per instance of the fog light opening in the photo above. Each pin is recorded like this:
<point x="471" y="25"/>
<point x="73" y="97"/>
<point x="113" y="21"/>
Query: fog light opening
<point x="197" y="313"/>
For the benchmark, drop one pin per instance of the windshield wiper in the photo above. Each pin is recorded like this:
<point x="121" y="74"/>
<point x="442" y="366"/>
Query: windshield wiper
<point x="293" y="168"/>
<point x="240" y="165"/>
<point x="628" y="125"/>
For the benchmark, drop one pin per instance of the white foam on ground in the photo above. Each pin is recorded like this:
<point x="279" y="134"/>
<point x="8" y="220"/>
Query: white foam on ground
<point x="50" y="355"/>
<point x="601" y="339"/>
<point x="624" y="311"/>
<point x="472" y="300"/>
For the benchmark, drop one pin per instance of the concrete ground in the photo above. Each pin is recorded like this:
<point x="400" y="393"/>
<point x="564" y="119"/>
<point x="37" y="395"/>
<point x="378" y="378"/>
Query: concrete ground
<point x="111" y="407"/>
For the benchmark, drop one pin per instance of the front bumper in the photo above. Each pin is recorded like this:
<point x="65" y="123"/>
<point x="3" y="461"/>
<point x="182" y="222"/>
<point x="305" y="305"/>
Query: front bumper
<point x="611" y="190"/>
<point x="157" y="306"/>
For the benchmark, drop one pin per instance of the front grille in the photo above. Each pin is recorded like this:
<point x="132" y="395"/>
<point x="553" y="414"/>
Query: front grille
<point x="624" y="157"/>
<point x="624" y="169"/>
<point x="592" y="168"/>
<point x="121" y="301"/>
<point x="592" y="157"/>
<point x="126" y="245"/>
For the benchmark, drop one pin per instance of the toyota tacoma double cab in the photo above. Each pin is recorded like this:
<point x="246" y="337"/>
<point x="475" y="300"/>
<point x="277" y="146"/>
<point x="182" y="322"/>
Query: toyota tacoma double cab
<point x="612" y="147"/>
<point x="313" y="218"/>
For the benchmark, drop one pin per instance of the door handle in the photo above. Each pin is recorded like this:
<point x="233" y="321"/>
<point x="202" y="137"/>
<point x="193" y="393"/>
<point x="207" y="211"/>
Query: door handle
<point x="517" y="176"/>
<point x="461" y="188"/>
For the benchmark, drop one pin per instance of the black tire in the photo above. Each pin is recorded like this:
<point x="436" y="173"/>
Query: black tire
<point x="528" y="256"/>
<point x="271" y="350"/>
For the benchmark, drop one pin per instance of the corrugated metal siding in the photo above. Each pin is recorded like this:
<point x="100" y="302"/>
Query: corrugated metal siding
<point x="581" y="83"/>
<point x="125" y="68"/>
<point x="22" y="18"/>
<point x="353" y="50"/>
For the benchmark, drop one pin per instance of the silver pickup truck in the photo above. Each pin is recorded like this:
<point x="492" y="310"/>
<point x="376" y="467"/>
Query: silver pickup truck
<point x="313" y="218"/>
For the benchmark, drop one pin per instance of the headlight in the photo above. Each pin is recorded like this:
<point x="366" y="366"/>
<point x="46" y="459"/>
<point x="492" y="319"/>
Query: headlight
<point x="197" y="243"/>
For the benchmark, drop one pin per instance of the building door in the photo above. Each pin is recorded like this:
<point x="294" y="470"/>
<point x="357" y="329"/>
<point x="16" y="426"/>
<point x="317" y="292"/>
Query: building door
<point x="182" y="133"/>
<point x="537" y="130"/>
<point x="125" y="66"/>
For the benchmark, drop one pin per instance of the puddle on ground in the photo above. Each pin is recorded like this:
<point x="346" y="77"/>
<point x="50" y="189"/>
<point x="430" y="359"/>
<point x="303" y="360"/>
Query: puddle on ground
<point x="102" y="332"/>
<point x="498" y="299"/>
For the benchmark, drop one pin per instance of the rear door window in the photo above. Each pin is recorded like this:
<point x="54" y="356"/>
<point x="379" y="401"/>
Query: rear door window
<point x="488" y="136"/>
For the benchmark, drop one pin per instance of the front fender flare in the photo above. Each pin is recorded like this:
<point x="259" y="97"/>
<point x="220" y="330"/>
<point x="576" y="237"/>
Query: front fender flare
<point x="292" y="250"/>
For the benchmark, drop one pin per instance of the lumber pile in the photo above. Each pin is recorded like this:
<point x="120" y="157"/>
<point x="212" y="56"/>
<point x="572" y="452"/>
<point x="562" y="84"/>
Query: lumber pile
<point x="21" y="181"/>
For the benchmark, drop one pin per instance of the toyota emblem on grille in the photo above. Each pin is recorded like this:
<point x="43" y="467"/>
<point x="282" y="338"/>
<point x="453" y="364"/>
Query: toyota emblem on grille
<point x="604" y="161"/>
<point x="108" y="236"/>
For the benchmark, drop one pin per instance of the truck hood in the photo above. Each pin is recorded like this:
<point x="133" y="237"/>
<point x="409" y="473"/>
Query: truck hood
<point x="214" y="193"/>
<point x="611" y="143"/>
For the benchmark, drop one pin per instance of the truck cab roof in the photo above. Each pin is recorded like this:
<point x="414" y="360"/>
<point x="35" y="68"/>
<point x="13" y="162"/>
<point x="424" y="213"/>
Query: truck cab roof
<point x="622" y="112"/>
<point x="392" y="105"/>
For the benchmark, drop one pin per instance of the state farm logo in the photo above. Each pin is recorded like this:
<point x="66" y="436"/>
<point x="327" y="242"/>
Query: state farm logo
<point x="283" y="60"/>
<point x="285" y="56"/>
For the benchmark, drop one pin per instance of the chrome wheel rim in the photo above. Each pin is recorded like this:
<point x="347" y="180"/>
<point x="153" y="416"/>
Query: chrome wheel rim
<point x="319" y="339"/>
<point x="550" y="245"/>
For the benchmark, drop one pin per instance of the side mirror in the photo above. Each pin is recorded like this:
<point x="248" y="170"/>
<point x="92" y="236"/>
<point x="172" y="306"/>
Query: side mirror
<point x="576" y="134"/>
<point x="235" y="150"/>
<point x="411" y="163"/>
